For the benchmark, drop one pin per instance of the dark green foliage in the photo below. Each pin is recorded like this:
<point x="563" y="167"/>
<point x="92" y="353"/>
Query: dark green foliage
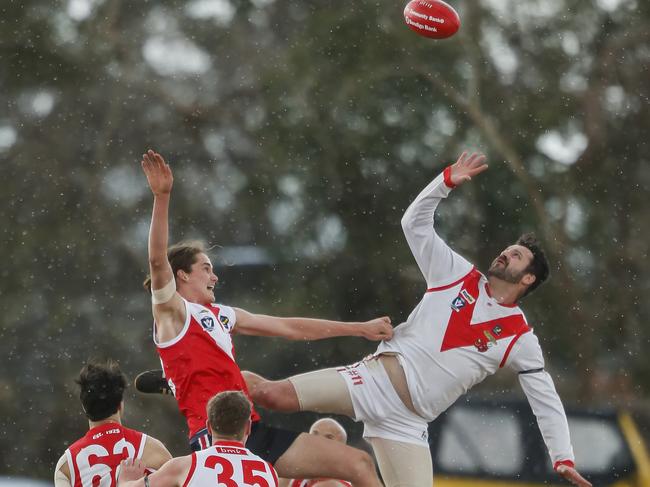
<point x="311" y="130"/>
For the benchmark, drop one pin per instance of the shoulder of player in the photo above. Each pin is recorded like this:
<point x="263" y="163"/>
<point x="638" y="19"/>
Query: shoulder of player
<point x="62" y="465"/>
<point x="528" y="342"/>
<point x="453" y="281"/>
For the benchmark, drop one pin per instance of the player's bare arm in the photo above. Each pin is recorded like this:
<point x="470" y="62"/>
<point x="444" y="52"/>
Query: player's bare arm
<point x="62" y="473"/>
<point x="466" y="167"/>
<point x="310" y="328"/>
<point x="168" y="309"/>
<point x="155" y="454"/>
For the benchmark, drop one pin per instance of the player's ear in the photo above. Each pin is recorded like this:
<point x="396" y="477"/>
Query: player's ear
<point x="182" y="275"/>
<point x="207" y="425"/>
<point x="528" y="279"/>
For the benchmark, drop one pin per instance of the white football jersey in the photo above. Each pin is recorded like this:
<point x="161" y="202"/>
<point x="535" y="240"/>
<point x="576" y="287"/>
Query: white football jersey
<point x="458" y="334"/>
<point x="230" y="464"/>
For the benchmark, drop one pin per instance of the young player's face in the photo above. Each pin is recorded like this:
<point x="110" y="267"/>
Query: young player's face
<point x="202" y="279"/>
<point x="511" y="264"/>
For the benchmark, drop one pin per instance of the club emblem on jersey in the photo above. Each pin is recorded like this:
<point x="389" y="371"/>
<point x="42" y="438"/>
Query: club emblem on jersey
<point x="497" y="330"/>
<point x="207" y="323"/>
<point x="463" y="299"/>
<point x="481" y="345"/>
<point x="457" y="304"/>
<point x="492" y="341"/>
<point x="224" y="321"/>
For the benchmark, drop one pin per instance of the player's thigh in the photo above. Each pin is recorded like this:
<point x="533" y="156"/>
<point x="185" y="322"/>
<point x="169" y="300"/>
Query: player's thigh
<point x="312" y="456"/>
<point x="323" y="391"/>
<point x="403" y="464"/>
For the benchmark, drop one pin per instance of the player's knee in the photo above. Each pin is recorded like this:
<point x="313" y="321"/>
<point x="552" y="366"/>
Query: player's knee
<point x="362" y="466"/>
<point x="275" y="395"/>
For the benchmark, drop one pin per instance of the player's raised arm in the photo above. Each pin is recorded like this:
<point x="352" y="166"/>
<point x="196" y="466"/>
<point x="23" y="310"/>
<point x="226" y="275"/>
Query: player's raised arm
<point x="168" y="307"/>
<point x="310" y="328"/>
<point x="438" y="263"/>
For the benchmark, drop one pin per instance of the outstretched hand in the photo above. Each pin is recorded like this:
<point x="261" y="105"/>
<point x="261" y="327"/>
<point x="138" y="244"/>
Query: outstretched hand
<point x="572" y="475"/>
<point x="158" y="172"/>
<point x="466" y="167"/>
<point x="377" y="329"/>
<point x="130" y="469"/>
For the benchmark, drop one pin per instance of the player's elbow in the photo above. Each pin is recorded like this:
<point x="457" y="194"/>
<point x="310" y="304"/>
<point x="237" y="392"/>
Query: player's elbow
<point x="408" y="224"/>
<point x="406" y="221"/>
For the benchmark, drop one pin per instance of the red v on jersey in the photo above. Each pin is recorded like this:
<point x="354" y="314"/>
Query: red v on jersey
<point x="460" y="330"/>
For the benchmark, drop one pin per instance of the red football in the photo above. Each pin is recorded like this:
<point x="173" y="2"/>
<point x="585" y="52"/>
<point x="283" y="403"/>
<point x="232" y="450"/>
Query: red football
<point x="431" y="18"/>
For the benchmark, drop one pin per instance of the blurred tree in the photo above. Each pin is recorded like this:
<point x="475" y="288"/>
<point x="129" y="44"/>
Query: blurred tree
<point x="300" y="131"/>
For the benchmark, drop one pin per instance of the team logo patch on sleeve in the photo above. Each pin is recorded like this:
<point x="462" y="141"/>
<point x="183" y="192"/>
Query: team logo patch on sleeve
<point x="224" y="321"/>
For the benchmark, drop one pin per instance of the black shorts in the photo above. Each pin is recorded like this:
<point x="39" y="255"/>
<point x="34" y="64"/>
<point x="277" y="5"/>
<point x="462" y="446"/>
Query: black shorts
<point x="268" y="442"/>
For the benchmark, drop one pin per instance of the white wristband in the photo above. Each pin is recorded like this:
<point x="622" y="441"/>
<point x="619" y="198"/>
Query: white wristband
<point x="161" y="296"/>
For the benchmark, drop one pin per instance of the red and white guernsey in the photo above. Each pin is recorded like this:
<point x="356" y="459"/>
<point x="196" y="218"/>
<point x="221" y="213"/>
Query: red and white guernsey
<point x="200" y="361"/>
<point x="458" y="334"/>
<point x="229" y="464"/>
<point x="93" y="459"/>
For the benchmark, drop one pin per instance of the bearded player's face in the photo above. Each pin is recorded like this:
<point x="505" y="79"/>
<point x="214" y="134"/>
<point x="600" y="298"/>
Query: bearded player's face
<point x="511" y="264"/>
<point x="202" y="279"/>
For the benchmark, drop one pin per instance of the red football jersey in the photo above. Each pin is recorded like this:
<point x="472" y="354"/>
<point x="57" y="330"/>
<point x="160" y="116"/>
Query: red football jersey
<point x="200" y="361"/>
<point x="93" y="459"/>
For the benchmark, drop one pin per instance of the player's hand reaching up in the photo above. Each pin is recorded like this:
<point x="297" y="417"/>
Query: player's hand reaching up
<point x="377" y="329"/>
<point x="158" y="172"/>
<point x="572" y="475"/>
<point x="466" y="167"/>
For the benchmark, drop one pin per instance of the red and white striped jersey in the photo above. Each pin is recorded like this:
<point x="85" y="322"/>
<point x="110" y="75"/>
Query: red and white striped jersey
<point x="458" y="334"/>
<point x="93" y="459"/>
<point x="200" y="361"/>
<point x="229" y="464"/>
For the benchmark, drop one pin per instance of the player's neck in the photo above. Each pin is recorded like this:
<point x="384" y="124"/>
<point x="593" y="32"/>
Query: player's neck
<point x="190" y="297"/>
<point x="503" y="292"/>
<point x="238" y="441"/>
<point x="115" y="418"/>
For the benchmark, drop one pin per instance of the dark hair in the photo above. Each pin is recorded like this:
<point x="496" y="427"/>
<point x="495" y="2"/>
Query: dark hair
<point x="228" y="414"/>
<point x="101" y="389"/>
<point x="181" y="256"/>
<point x="539" y="265"/>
